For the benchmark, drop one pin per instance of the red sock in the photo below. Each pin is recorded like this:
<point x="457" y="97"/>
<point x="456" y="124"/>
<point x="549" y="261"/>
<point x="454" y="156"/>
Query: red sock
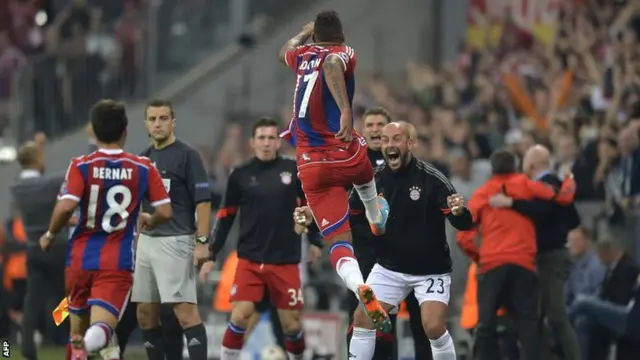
<point x="340" y="250"/>
<point x="68" y="351"/>
<point x="294" y="344"/>
<point x="234" y="337"/>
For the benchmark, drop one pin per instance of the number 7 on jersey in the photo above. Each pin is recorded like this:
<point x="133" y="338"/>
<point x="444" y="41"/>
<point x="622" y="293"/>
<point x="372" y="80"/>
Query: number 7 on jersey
<point x="309" y="82"/>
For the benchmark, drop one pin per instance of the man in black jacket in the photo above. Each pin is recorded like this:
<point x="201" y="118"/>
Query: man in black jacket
<point x="366" y="250"/>
<point x="34" y="195"/>
<point x="413" y="253"/>
<point x="553" y="223"/>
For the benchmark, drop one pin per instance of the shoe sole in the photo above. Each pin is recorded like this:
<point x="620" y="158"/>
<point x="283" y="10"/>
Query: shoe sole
<point x="374" y="309"/>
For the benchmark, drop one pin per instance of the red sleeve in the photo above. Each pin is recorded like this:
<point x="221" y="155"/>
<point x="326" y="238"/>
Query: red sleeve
<point x="540" y="189"/>
<point x="567" y="191"/>
<point x="545" y="191"/>
<point x="292" y="56"/>
<point x="475" y="206"/>
<point x="348" y="57"/>
<point x="156" y="192"/>
<point x="73" y="185"/>
<point x="466" y="242"/>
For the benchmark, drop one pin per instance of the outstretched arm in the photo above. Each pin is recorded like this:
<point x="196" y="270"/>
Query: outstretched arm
<point x="294" y="42"/>
<point x="544" y="191"/>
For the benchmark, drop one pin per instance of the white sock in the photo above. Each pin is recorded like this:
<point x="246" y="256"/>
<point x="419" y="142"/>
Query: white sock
<point x="349" y="271"/>
<point x="97" y="337"/>
<point x="229" y="354"/>
<point x="442" y="348"/>
<point x="295" y="357"/>
<point x="368" y="194"/>
<point x="363" y="344"/>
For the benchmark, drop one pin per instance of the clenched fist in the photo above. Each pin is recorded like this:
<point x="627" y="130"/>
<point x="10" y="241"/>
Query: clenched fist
<point x="456" y="204"/>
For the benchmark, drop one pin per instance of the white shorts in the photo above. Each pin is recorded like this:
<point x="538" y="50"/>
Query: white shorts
<point x="393" y="287"/>
<point x="164" y="271"/>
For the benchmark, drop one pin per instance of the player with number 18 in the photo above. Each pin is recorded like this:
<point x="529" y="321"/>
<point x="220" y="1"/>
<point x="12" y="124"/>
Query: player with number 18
<point x="107" y="186"/>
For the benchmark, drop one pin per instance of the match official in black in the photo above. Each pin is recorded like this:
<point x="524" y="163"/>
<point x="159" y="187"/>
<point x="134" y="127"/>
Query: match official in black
<point x="167" y="255"/>
<point x="265" y="191"/>
<point x="35" y="195"/>
<point x="553" y="223"/>
<point x="366" y="250"/>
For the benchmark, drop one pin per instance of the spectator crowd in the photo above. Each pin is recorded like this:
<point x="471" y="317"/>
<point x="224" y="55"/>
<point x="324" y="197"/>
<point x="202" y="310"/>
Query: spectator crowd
<point x="58" y="60"/>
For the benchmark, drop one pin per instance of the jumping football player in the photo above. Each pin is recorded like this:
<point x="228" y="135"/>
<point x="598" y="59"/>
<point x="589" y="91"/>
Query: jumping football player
<point x="108" y="185"/>
<point x="330" y="154"/>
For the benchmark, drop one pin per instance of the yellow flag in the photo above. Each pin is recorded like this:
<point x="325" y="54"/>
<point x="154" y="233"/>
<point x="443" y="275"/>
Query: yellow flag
<point x="61" y="312"/>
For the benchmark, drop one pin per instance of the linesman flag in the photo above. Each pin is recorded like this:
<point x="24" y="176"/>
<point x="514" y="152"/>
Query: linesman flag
<point x="61" y="312"/>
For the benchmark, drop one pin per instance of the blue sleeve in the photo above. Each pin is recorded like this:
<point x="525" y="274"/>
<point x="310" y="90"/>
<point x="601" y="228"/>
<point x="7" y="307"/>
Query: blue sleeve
<point x="594" y="278"/>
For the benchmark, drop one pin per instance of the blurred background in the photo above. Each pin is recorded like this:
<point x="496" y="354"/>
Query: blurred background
<point x="471" y="75"/>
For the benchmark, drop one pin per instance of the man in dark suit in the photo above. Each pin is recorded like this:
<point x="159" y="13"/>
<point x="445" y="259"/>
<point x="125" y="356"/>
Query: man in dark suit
<point x="599" y="315"/>
<point x="35" y="195"/>
<point x="553" y="223"/>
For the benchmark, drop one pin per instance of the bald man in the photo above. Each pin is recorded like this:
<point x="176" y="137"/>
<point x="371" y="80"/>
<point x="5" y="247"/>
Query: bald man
<point x="553" y="223"/>
<point x="413" y="253"/>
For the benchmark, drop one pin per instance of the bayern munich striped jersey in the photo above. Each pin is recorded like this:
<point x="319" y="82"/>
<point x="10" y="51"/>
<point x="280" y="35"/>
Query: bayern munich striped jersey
<point x="109" y="186"/>
<point x="316" y="116"/>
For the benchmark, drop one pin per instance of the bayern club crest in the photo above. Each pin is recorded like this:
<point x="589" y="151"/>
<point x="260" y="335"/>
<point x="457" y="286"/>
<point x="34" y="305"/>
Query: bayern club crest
<point x="285" y="177"/>
<point x="414" y="193"/>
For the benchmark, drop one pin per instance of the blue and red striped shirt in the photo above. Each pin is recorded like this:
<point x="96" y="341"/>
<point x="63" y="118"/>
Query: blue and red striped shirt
<point x="316" y="116"/>
<point x="109" y="186"/>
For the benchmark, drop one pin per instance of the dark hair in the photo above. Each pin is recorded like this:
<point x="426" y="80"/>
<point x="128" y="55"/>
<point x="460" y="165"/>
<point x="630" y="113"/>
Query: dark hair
<point x="263" y="122"/>
<point x="503" y="162"/>
<point x="109" y="121"/>
<point x="160" y="103"/>
<point x="378" y="111"/>
<point x="328" y="27"/>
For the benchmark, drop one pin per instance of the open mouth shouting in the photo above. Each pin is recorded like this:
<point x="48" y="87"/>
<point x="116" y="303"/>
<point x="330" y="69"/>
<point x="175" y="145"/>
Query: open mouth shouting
<point x="394" y="157"/>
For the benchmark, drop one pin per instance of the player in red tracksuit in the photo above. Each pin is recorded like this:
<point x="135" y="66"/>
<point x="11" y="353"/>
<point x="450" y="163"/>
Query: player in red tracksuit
<point x="108" y="186"/>
<point x="330" y="155"/>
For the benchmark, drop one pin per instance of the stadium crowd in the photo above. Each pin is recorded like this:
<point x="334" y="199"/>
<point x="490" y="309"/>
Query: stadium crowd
<point x="580" y="96"/>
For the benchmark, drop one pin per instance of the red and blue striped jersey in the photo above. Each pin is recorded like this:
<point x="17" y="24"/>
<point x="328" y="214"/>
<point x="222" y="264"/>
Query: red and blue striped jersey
<point x="109" y="186"/>
<point x="316" y="116"/>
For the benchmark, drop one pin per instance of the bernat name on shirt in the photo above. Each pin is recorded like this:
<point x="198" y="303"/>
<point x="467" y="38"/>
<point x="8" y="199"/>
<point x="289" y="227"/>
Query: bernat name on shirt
<point x="112" y="174"/>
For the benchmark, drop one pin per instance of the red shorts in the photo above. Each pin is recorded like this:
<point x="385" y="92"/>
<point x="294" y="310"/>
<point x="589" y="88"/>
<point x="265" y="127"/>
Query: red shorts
<point x="325" y="174"/>
<point x="282" y="281"/>
<point x="109" y="289"/>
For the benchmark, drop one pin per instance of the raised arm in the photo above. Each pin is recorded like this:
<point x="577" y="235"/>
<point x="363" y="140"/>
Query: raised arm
<point x="444" y="190"/>
<point x="287" y="52"/>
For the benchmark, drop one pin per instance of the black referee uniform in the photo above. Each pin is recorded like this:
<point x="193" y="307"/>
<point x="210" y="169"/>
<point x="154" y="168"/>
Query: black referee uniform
<point x="266" y="193"/>
<point x="186" y="192"/>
